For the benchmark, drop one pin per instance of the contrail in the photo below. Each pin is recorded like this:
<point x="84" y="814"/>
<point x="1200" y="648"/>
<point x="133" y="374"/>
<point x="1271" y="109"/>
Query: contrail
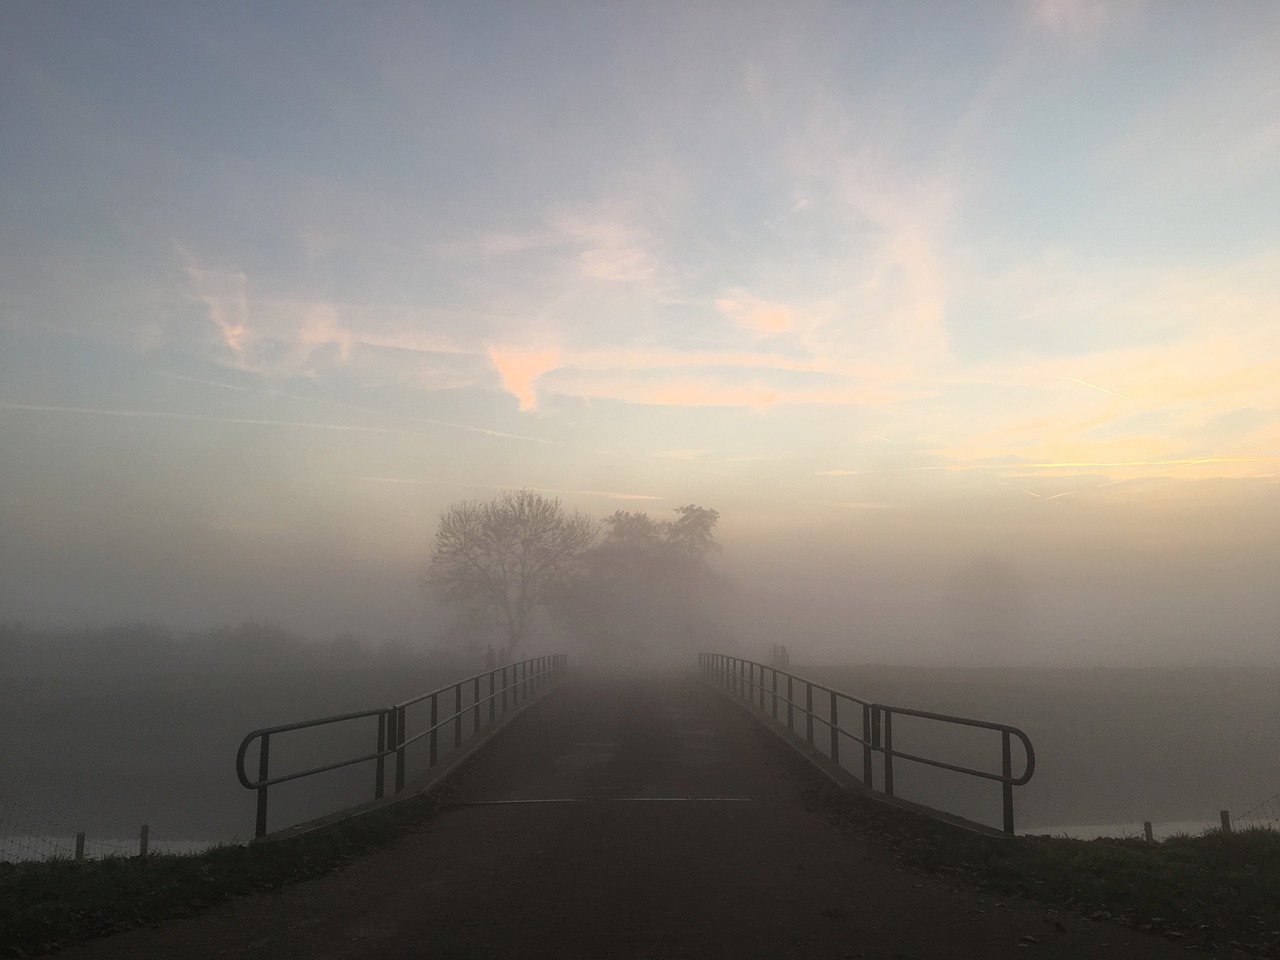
<point x="416" y="481"/>
<point x="957" y="467"/>
<point x="207" y="418"/>
<point x="1094" y="386"/>
<point x="260" y="421"/>
<point x="357" y="409"/>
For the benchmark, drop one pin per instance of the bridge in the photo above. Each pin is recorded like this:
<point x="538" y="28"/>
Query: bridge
<point x="697" y="815"/>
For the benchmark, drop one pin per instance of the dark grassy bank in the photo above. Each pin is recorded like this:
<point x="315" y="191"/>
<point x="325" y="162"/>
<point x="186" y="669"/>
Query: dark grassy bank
<point x="1210" y="891"/>
<point x="44" y="905"/>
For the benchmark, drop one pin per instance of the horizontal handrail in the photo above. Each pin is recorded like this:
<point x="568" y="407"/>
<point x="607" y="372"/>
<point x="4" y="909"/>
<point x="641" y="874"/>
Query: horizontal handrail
<point x="243" y="776"/>
<point x="1028" y="769"/>
<point x="739" y="676"/>
<point x="520" y="681"/>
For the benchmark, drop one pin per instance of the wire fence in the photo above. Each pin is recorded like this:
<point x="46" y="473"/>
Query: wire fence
<point x="1266" y="814"/>
<point x="27" y="834"/>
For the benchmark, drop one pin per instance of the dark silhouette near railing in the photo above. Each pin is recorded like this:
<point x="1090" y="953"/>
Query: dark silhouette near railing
<point x="508" y="685"/>
<point x="754" y="682"/>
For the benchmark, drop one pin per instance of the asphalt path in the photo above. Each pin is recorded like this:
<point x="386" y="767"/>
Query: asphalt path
<point x="640" y="819"/>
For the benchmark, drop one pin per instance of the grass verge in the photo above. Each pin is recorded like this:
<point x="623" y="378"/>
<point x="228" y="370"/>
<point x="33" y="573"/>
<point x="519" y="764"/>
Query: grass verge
<point x="50" y="903"/>
<point x="1210" y="891"/>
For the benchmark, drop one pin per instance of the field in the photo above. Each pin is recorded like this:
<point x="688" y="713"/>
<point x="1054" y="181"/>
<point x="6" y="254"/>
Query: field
<point x="1113" y="746"/>
<point x="108" y="749"/>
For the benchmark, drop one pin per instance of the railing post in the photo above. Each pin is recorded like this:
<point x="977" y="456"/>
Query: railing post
<point x="475" y="702"/>
<point x="379" y="765"/>
<point x="457" y="715"/>
<point x="434" y="740"/>
<point x="399" y="738"/>
<point x="775" y="693"/>
<point x="835" y="731"/>
<point x="1006" y="772"/>
<point x="504" y="688"/>
<point x="493" y="702"/>
<point x="808" y="716"/>
<point x="866" y="745"/>
<point x="888" y="752"/>
<point x="264" y="764"/>
<point x="791" y="706"/>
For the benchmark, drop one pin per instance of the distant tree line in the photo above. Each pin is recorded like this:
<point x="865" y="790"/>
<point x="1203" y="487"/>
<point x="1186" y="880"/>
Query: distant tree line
<point x="140" y="649"/>
<point x="629" y="583"/>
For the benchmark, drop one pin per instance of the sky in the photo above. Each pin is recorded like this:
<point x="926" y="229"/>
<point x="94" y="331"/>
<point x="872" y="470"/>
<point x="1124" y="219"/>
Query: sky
<point x="917" y="295"/>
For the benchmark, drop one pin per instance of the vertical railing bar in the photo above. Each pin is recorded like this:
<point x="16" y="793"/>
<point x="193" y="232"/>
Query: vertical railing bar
<point x="808" y="712"/>
<point x="379" y="773"/>
<point x="888" y="751"/>
<point x="399" y="735"/>
<point x="835" y="729"/>
<point x="457" y="715"/>
<point x="791" y="706"/>
<point x="264" y="766"/>
<point x="475" y="706"/>
<point x="866" y="745"/>
<point x="1006" y="773"/>
<point x="434" y="740"/>
<point x="493" y="701"/>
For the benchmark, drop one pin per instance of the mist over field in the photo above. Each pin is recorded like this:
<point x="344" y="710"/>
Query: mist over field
<point x="939" y="343"/>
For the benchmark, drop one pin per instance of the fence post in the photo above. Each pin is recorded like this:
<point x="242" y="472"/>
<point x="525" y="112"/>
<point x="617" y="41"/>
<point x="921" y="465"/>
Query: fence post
<point x="144" y="840"/>
<point x="264" y="762"/>
<point x="791" y="705"/>
<point x="379" y="765"/>
<point x="1006" y="774"/>
<point x="475" y="702"/>
<point x="888" y="751"/>
<point x="80" y="846"/>
<point x="1147" y="832"/>
<point x="775" y="693"/>
<point x="493" y="698"/>
<point x="435" y="714"/>
<point x="835" y="730"/>
<point x="866" y="746"/>
<point x="1226" y="821"/>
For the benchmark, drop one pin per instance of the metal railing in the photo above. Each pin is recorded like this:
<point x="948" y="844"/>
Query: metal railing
<point x="758" y="684"/>
<point x="507" y="686"/>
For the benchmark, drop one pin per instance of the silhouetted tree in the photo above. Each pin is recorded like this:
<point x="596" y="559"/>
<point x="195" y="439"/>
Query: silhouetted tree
<point x="500" y="561"/>
<point x="646" y="587"/>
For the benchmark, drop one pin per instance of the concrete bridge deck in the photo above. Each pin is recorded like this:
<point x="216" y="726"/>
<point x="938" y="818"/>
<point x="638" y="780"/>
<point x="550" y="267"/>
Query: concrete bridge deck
<point x="637" y="819"/>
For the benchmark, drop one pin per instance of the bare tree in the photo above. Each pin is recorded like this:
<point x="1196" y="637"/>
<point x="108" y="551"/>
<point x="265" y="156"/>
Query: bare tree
<point x="500" y="561"/>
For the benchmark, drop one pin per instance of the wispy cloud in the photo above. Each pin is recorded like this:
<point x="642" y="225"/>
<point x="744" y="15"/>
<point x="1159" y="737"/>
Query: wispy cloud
<point x="756" y="315"/>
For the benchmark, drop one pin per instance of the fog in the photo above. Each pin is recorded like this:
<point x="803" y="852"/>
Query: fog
<point x="963" y="318"/>
<point x="974" y="583"/>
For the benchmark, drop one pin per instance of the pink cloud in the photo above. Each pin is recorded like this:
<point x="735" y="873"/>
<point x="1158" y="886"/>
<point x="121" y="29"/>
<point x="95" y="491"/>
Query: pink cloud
<point x="760" y="316"/>
<point x="520" y="368"/>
